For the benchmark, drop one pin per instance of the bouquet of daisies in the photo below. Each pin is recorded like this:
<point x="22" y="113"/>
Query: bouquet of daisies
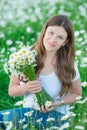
<point x="23" y="63"/>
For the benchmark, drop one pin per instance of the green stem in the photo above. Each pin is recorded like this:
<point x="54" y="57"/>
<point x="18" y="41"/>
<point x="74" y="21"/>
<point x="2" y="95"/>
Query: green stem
<point x="42" y="96"/>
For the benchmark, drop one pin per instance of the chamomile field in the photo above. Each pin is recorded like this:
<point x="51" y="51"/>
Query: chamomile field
<point x="21" y="22"/>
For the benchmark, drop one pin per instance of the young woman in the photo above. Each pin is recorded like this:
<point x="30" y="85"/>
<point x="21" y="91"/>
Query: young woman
<point x="57" y="72"/>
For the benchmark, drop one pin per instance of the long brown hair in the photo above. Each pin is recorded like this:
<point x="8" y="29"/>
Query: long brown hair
<point x="65" y="55"/>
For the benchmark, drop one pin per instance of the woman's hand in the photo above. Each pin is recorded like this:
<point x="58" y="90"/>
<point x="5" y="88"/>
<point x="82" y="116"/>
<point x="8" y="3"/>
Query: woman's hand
<point x="45" y="108"/>
<point x="33" y="86"/>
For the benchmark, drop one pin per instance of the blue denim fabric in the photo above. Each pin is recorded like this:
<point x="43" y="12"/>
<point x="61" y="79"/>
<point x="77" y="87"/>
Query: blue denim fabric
<point x="1" y="124"/>
<point x="19" y="113"/>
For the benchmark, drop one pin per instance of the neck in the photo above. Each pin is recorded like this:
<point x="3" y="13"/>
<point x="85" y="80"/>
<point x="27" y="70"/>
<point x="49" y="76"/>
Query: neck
<point x="50" y="55"/>
<point x="50" y="58"/>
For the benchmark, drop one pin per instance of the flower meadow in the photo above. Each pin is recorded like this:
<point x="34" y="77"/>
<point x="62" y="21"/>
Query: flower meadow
<point x="20" y="23"/>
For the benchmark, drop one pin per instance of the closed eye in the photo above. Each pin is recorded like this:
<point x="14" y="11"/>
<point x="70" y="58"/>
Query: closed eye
<point x="60" y="37"/>
<point x="51" y="32"/>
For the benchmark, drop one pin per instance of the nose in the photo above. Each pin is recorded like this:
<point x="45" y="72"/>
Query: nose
<point x="54" y="39"/>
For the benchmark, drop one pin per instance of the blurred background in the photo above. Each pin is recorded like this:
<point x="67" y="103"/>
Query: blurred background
<point x="21" y="22"/>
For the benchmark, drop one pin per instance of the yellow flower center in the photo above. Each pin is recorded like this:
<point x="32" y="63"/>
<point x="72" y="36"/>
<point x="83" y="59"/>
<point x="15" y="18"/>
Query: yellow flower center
<point x="24" y="51"/>
<point x="20" y="54"/>
<point x="30" y="58"/>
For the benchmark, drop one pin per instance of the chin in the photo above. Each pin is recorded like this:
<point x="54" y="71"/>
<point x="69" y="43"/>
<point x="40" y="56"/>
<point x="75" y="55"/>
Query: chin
<point x="50" y="50"/>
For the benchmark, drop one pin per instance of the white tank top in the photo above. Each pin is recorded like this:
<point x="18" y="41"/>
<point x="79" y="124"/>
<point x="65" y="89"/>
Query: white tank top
<point x="52" y="85"/>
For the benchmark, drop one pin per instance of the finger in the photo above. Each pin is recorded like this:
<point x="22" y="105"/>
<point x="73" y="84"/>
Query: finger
<point x="34" y="82"/>
<point x="54" y="104"/>
<point x="33" y="85"/>
<point x="51" y="108"/>
<point x="35" y="88"/>
<point x="42" y="109"/>
<point x="36" y="91"/>
<point x="46" y="108"/>
<point x="37" y="85"/>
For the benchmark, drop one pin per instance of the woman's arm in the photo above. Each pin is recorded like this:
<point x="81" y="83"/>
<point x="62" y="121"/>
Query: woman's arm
<point x="75" y="92"/>
<point x="16" y="90"/>
<point x="14" y="87"/>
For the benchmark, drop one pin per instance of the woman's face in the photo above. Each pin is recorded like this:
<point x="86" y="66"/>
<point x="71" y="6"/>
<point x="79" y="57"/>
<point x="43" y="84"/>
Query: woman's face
<point x="55" y="37"/>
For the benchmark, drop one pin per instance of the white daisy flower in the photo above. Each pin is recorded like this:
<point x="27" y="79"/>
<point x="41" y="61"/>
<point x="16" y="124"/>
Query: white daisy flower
<point x="18" y="103"/>
<point x="50" y="119"/>
<point x="5" y="113"/>
<point x="25" y="126"/>
<point x="65" y="117"/>
<point x="79" y="127"/>
<point x="78" y="98"/>
<point x="48" y="103"/>
<point x="39" y="120"/>
<point x="29" y="113"/>
<point x="21" y="120"/>
<point x="64" y="126"/>
<point x="8" y="125"/>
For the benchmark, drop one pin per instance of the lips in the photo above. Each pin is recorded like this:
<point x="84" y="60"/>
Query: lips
<point x="51" y="44"/>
